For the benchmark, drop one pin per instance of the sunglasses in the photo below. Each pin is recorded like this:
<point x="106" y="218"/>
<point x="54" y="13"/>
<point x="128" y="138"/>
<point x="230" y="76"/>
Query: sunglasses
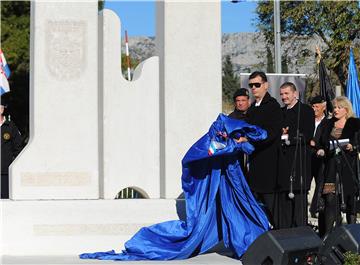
<point x="257" y="85"/>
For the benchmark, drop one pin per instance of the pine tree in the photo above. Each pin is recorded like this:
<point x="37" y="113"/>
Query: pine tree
<point x="230" y="81"/>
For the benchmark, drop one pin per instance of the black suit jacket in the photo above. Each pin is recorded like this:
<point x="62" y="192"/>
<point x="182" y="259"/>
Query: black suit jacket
<point x="319" y="131"/>
<point x="263" y="162"/>
<point x="352" y="126"/>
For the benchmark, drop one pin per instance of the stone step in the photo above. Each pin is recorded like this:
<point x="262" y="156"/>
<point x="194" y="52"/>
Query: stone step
<point x="209" y="259"/>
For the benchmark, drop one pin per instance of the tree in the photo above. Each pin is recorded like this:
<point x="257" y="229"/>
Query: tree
<point x="230" y="81"/>
<point x="101" y="4"/>
<point x="336" y="23"/>
<point x="15" y="43"/>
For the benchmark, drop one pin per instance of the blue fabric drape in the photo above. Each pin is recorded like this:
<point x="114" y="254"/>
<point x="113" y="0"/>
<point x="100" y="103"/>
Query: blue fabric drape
<point x="219" y="203"/>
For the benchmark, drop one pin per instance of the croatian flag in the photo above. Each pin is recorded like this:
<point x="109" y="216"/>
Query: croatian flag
<point x="4" y="74"/>
<point x="214" y="147"/>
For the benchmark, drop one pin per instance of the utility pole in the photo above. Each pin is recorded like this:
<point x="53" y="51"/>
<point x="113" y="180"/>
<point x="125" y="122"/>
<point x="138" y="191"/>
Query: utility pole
<point x="277" y="36"/>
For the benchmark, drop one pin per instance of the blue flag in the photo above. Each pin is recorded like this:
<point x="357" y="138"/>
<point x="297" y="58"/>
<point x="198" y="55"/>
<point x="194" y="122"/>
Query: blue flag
<point x="352" y="86"/>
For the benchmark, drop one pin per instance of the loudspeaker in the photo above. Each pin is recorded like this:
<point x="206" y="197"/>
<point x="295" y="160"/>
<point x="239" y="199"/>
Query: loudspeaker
<point x="284" y="246"/>
<point x="344" y="238"/>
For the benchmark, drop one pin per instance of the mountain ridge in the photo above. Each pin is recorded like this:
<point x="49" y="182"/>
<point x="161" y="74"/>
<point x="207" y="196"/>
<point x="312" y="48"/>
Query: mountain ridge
<point x="248" y="51"/>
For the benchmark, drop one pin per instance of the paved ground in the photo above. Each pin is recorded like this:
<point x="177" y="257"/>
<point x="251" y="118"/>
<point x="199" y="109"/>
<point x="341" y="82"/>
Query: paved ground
<point x="209" y="259"/>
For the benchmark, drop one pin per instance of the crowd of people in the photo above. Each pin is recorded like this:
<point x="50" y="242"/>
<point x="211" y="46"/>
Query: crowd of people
<point x="303" y="143"/>
<point x="252" y="171"/>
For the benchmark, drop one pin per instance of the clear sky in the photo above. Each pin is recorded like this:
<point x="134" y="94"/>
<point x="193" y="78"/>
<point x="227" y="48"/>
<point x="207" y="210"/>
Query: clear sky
<point x="138" y="17"/>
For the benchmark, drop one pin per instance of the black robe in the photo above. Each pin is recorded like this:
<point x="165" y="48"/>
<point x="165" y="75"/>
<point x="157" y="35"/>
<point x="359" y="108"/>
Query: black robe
<point x="287" y="155"/>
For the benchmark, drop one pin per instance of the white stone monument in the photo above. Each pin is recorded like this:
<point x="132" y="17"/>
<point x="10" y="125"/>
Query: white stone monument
<point x="87" y="127"/>
<point x="61" y="160"/>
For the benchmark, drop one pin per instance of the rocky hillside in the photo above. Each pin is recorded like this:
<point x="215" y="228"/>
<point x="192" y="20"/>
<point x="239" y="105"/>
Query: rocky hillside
<point x="247" y="51"/>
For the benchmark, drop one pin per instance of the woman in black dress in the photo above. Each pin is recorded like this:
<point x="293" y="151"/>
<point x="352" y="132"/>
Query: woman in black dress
<point x="343" y="125"/>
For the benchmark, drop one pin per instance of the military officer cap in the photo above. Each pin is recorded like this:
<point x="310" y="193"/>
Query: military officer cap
<point x="241" y="92"/>
<point x="317" y="99"/>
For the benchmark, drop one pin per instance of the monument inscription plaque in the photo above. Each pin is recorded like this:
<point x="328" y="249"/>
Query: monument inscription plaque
<point x="66" y="48"/>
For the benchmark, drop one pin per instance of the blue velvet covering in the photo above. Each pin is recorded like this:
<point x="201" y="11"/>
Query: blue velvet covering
<point x="219" y="204"/>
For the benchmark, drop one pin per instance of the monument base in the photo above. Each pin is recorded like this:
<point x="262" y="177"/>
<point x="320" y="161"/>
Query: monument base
<point x="71" y="227"/>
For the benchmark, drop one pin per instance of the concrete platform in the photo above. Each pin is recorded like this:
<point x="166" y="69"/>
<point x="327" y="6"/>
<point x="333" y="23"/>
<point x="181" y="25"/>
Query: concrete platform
<point x="210" y="259"/>
<point x="70" y="227"/>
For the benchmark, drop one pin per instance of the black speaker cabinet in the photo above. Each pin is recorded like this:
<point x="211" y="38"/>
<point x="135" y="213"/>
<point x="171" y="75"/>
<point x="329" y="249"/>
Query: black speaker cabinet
<point x="343" y="239"/>
<point x="284" y="246"/>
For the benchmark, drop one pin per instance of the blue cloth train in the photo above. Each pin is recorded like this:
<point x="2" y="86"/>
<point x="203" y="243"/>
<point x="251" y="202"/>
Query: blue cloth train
<point x="219" y="203"/>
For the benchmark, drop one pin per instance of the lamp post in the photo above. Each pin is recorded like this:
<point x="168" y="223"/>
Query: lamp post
<point x="277" y="36"/>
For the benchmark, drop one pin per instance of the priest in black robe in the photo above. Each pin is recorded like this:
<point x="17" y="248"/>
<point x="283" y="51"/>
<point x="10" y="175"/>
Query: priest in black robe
<point x="295" y="158"/>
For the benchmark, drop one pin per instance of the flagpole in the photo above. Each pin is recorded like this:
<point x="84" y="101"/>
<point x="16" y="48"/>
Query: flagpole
<point x="127" y="56"/>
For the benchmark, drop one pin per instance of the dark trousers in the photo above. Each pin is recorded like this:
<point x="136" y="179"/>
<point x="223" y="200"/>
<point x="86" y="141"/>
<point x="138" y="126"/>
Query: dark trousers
<point x="268" y="203"/>
<point x="292" y="212"/>
<point x="317" y="170"/>
<point x="332" y="213"/>
<point x="4" y="186"/>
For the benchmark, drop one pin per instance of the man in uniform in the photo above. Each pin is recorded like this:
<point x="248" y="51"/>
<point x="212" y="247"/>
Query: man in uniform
<point x="241" y="100"/>
<point x="241" y="104"/>
<point x="295" y="158"/>
<point x="11" y="144"/>
<point x="265" y="112"/>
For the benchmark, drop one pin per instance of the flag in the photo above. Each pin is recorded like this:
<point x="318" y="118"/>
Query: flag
<point x="214" y="147"/>
<point x="4" y="74"/>
<point x="326" y="88"/>
<point x="352" y="86"/>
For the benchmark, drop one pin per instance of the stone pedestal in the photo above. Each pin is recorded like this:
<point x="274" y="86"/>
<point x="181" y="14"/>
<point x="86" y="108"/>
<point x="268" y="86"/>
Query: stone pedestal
<point x="71" y="227"/>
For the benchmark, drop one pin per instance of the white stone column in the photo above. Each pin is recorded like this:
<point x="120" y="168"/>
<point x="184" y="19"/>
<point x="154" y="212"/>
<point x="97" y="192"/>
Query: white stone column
<point x="61" y="160"/>
<point x="189" y="45"/>
<point x="130" y="119"/>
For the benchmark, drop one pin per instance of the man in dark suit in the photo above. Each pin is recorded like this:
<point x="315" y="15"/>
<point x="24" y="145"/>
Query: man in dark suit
<point x="263" y="162"/>
<point x="295" y="157"/>
<point x="318" y="104"/>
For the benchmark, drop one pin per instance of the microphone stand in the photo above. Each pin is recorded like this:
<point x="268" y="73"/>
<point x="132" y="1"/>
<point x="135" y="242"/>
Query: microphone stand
<point x="298" y="151"/>
<point x="357" y="163"/>
<point x="339" y="178"/>
<point x="301" y="179"/>
<point x="300" y="139"/>
<point x="338" y="183"/>
<point x="303" y="168"/>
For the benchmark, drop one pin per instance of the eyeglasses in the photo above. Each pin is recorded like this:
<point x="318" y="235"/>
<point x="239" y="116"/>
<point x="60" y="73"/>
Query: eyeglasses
<point x="257" y="85"/>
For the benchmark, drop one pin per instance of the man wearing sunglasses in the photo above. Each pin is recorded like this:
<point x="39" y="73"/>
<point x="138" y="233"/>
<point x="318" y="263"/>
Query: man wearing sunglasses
<point x="265" y="112"/>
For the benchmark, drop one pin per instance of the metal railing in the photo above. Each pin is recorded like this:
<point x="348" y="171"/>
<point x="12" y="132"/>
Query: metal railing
<point x="129" y="193"/>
